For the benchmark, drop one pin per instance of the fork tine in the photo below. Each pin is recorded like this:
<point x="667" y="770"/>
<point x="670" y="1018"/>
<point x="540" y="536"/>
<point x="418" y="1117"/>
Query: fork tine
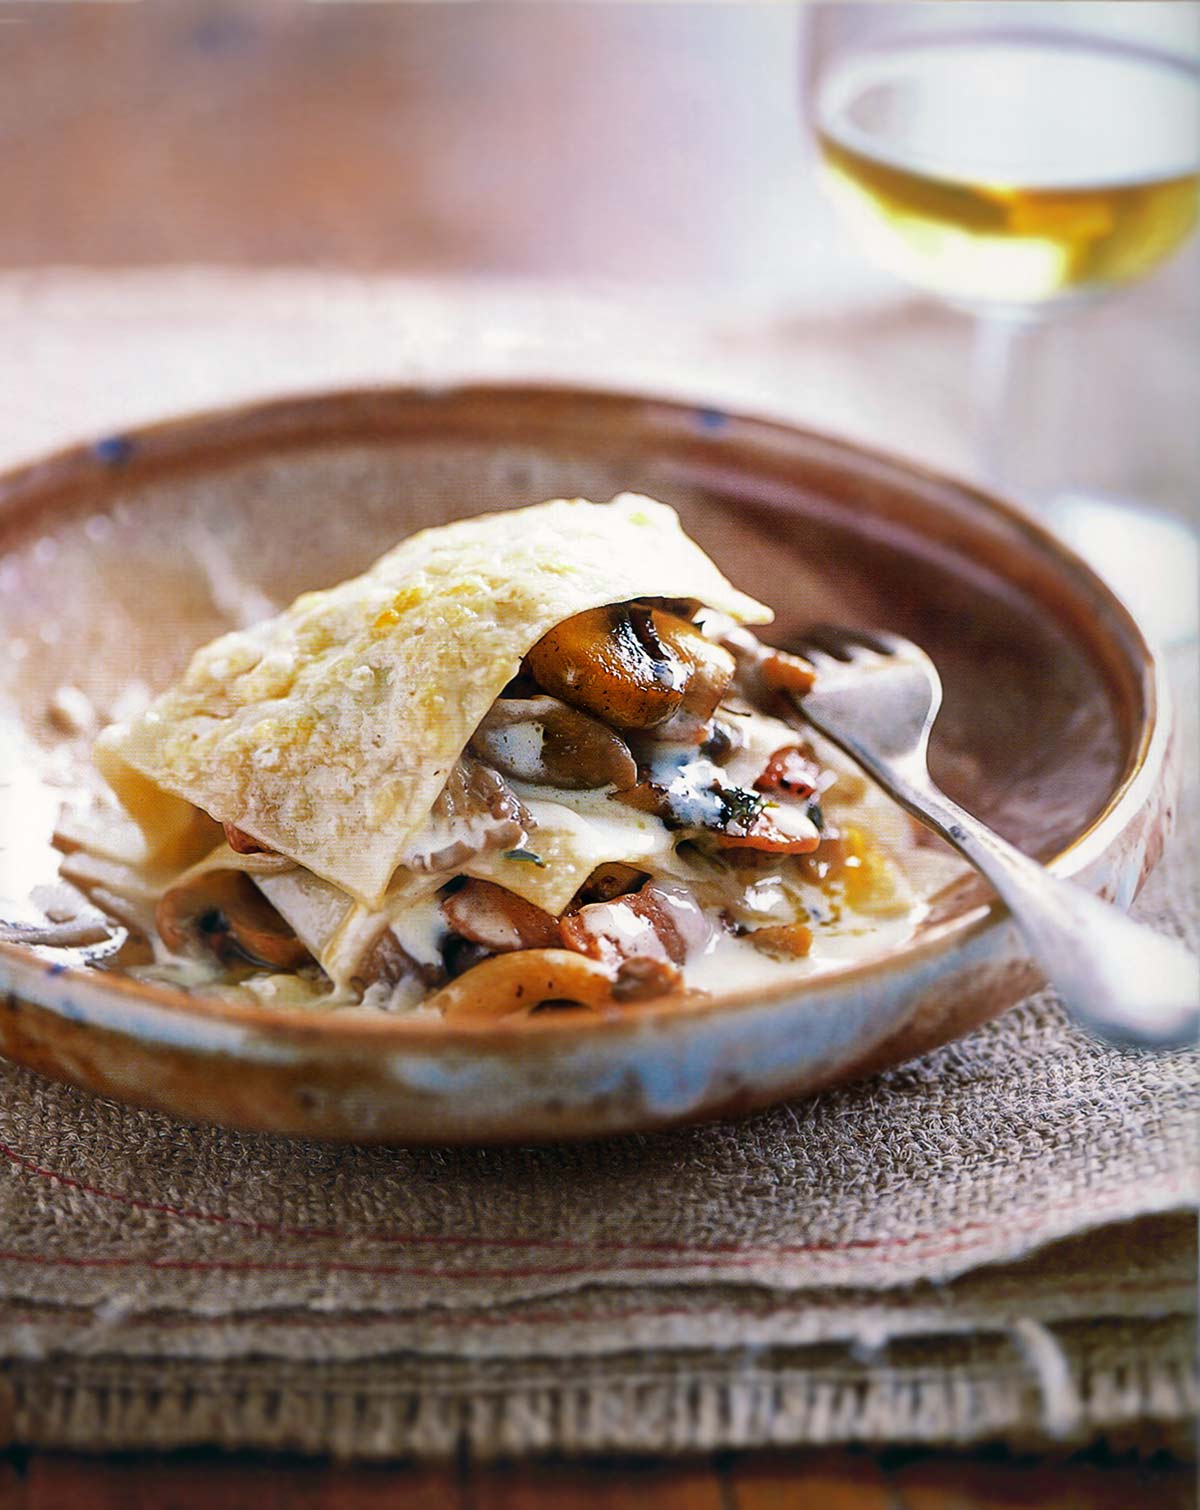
<point x="853" y="646"/>
<point x="877" y="641"/>
<point x="885" y="644"/>
<point x="829" y="641"/>
<point x="896" y="645"/>
<point x="822" y="663"/>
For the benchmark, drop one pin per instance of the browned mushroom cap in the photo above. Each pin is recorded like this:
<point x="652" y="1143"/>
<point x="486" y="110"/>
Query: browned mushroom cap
<point x="634" y="666"/>
<point x="490" y="915"/>
<point x="224" y="913"/>
<point x="542" y="740"/>
<point x="710" y="669"/>
<point x="610" y="662"/>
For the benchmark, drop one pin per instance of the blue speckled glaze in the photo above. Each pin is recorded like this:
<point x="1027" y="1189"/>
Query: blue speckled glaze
<point x="113" y="450"/>
<point x="711" y="420"/>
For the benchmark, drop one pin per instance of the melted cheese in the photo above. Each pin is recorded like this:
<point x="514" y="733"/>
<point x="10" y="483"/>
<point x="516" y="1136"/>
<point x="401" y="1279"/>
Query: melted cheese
<point x="576" y="832"/>
<point x="328" y="731"/>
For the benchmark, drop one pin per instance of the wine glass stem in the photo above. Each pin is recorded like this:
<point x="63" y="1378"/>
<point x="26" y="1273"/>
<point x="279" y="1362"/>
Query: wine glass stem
<point x="995" y="343"/>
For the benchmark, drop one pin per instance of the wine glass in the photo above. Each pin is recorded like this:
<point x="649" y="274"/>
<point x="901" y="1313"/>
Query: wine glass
<point x="1016" y="159"/>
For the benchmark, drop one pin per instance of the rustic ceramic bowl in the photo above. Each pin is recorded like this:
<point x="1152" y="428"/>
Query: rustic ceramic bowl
<point x="1054" y="732"/>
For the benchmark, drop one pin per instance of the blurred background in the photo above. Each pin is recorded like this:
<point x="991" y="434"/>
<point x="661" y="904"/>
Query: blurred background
<point x="625" y="192"/>
<point x="642" y="142"/>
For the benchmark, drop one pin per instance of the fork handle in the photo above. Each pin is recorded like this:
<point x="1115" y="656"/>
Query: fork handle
<point x="1116" y="977"/>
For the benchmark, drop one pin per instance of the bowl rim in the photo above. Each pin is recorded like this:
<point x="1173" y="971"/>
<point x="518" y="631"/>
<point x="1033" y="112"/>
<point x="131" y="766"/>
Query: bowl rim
<point x="169" y="443"/>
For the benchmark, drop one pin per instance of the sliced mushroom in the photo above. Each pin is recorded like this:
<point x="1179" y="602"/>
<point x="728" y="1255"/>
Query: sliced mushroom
<point x="710" y="670"/>
<point x="647" y="797"/>
<point x="223" y="913"/>
<point x="475" y="811"/>
<point x="542" y="740"/>
<point x="490" y="915"/>
<point x="637" y="667"/>
<point x="784" y="672"/>
<point x="508" y="984"/>
<point x="609" y="661"/>
<point x="783" y="830"/>
<point x="696" y="798"/>
<point x="661" y="922"/>
<point x="722" y="740"/>
<point x="690" y="793"/>
<point x="460" y="955"/>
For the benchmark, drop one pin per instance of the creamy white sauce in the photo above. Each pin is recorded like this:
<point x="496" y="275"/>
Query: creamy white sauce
<point x="695" y="927"/>
<point x="857" y="937"/>
<point x="596" y="828"/>
<point x="421" y="929"/>
<point x="762" y="735"/>
<point x="767" y="899"/>
<point x="518" y="748"/>
<point x="573" y="833"/>
<point x="732" y="964"/>
<point x="689" y="780"/>
<point x="631" y="934"/>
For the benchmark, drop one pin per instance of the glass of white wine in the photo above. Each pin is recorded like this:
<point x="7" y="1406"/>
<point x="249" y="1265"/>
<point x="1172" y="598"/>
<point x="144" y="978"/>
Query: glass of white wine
<point x="1015" y="159"/>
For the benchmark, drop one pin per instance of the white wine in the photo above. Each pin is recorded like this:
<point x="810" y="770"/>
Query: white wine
<point x="1014" y="167"/>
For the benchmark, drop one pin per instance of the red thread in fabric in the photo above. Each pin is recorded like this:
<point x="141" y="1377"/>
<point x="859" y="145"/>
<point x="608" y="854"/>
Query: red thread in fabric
<point x="470" y="1240"/>
<point x="740" y="1261"/>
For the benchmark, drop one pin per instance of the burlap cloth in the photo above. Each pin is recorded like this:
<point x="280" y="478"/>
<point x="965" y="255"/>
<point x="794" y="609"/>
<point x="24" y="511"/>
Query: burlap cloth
<point x="991" y="1243"/>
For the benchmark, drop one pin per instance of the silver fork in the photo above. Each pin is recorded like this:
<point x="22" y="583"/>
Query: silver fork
<point x="876" y="698"/>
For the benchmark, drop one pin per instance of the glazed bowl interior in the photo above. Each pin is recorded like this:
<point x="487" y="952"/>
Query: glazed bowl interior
<point x="1049" y="692"/>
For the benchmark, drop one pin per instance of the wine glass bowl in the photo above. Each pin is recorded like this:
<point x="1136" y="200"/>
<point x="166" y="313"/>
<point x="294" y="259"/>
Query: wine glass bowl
<point x="1011" y="166"/>
<point x="1014" y="160"/>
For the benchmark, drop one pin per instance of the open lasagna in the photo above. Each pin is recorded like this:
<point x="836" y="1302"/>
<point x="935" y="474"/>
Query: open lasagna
<point x="527" y="759"/>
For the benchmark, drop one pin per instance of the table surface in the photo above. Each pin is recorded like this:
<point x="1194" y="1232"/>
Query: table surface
<point x="754" y="1481"/>
<point x="400" y="93"/>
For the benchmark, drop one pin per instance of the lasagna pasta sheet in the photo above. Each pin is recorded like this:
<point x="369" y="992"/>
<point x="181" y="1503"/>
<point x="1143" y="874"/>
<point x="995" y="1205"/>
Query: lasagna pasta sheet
<point x="328" y="731"/>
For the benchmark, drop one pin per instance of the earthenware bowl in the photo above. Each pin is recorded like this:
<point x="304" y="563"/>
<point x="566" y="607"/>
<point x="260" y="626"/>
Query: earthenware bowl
<point x="1054" y="731"/>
